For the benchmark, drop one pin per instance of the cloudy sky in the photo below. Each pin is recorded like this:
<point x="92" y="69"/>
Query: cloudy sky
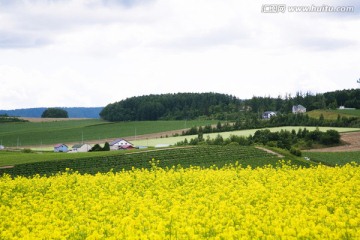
<point x="69" y="53"/>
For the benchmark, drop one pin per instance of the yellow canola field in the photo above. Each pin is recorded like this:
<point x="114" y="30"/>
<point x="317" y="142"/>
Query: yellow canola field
<point x="227" y="203"/>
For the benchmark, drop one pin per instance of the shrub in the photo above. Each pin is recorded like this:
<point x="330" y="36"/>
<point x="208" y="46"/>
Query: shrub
<point x="295" y="151"/>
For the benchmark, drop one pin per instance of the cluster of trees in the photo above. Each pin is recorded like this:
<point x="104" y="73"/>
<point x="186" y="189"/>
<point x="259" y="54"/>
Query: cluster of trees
<point x="98" y="148"/>
<point x="181" y="106"/>
<point x="172" y="107"/>
<point x="4" y="118"/>
<point x="329" y="100"/>
<point x="55" y="113"/>
<point x="290" y="140"/>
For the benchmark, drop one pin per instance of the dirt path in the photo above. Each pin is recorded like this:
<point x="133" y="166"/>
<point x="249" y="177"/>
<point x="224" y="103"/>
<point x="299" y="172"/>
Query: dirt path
<point x="271" y="152"/>
<point x="352" y="143"/>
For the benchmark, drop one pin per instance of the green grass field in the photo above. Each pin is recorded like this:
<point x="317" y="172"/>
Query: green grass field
<point x="18" y="157"/>
<point x="204" y="156"/>
<point x="333" y="114"/>
<point x="246" y="133"/>
<point x="44" y="133"/>
<point x="334" y="158"/>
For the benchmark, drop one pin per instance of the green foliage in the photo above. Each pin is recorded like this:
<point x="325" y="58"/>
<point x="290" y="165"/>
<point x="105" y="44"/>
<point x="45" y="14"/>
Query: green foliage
<point x="96" y="148"/>
<point x="4" y="118"/>
<point x="173" y="107"/>
<point x="330" y="137"/>
<point x="334" y="158"/>
<point x="55" y="113"/>
<point x="203" y="156"/>
<point x="26" y="150"/>
<point x="281" y="139"/>
<point x="106" y="147"/>
<point x="295" y="151"/>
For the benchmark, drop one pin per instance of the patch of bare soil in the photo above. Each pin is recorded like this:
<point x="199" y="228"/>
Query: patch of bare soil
<point x="351" y="140"/>
<point x="3" y="167"/>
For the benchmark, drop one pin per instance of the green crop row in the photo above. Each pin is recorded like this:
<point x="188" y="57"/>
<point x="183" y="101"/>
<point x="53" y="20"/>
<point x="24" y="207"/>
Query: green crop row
<point x="334" y="158"/>
<point x="203" y="156"/>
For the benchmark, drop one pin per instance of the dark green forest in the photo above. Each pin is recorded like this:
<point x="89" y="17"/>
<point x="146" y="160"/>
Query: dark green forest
<point x="173" y="107"/>
<point x="180" y="106"/>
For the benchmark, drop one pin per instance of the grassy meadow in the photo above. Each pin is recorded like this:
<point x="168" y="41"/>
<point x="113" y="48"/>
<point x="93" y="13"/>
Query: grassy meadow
<point x="45" y="133"/>
<point x="333" y="114"/>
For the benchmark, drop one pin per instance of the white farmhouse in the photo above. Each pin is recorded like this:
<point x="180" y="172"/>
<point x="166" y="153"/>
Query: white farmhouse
<point x="268" y="114"/>
<point x="120" y="144"/>
<point x="298" y="109"/>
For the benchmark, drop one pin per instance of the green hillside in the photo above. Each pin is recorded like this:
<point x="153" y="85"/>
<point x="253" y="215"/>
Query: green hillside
<point x="204" y="156"/>
<point x="42" y="133"/>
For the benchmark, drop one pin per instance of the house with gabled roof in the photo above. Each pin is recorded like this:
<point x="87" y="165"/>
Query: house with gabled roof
<point x="298" y="109"/>
<point x="81" y="147"/>
<point x="120" y="143"/>
<point x="268" y="114"/>
<point x="61" y="148"/>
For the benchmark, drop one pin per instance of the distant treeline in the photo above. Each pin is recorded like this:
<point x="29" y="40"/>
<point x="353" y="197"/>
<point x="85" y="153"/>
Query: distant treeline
<point x="329" y="100"/>
<point x="4" y="118"/>
<point x="182" y="106"/>
<point x="173" y="107"/>
<point x="73" y="112"/>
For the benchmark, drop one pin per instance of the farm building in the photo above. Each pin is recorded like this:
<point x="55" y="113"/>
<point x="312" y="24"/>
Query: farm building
<point x="82" y="147"/>
<point x="126" y="147"/>
<point x="61" y="148"/>
<point x="268" y="114"/>
<point x="298" y="109"/>
<point x="120" y="144"/>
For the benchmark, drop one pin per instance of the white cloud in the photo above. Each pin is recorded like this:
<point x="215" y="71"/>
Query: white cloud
<point x="97" y="52"/>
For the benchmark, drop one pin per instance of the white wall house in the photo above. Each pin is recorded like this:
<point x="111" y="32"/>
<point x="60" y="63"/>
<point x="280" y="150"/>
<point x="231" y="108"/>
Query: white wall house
<point x="81" y="148"/>
<point x="268" y="114"/>
<point x="119" y="144"/>
<point x="298" y="109"/>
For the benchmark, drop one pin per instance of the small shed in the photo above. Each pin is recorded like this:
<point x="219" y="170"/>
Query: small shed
<point x="120" y="144"/>
<point x="61" y="148"/>
<point x="82" y="147"/>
